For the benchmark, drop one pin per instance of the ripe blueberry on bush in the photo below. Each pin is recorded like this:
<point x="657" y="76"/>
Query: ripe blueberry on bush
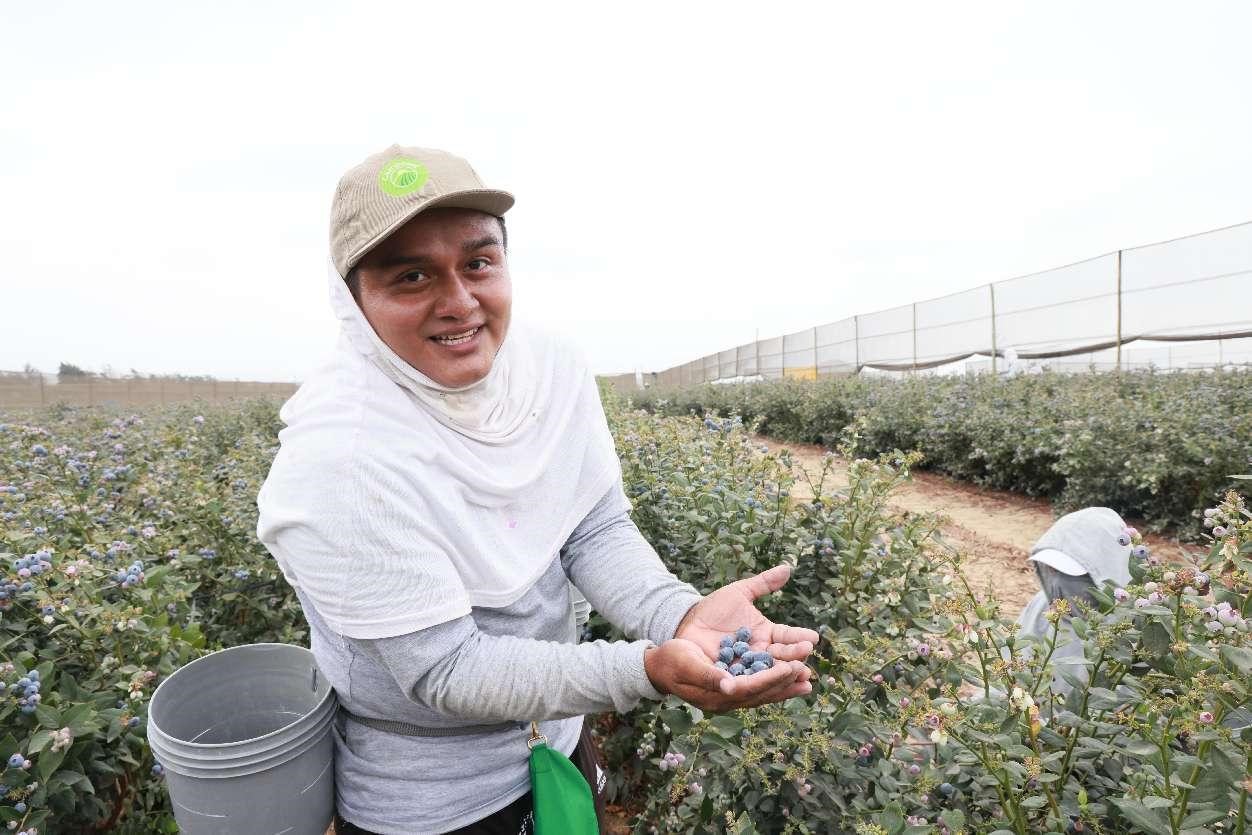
<point x="947" y="789"/>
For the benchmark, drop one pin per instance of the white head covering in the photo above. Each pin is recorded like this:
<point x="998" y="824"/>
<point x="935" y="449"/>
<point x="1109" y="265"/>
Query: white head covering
<point x="1082" y="542"/>
<point x="396" y="503"/>
<point x="1089" y="539"/>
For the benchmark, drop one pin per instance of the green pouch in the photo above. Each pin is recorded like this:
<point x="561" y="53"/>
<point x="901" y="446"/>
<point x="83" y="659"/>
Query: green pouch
<point x="562" y="799"/>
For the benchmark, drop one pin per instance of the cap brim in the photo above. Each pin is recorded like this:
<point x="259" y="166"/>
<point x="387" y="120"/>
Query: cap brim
<point x="1061" y="561"/>
<point x="487" y="200"/>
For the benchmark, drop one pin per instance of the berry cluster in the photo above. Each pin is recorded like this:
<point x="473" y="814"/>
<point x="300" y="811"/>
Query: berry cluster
<point x="735" y="657"/>
<point x="672" y="759"/>
<point x="29" y="687"/>
<point x="132" y="576"/>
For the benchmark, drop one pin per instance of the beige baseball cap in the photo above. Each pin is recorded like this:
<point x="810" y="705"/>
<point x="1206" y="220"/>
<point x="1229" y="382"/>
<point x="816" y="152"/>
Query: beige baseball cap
<point x="385" y="191"/>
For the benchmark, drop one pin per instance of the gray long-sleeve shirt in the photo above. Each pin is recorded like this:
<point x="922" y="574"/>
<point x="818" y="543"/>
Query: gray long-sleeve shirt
<point x="518" y="663"/>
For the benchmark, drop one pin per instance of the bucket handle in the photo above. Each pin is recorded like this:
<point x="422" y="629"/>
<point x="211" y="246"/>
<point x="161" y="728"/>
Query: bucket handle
<point x="313" y="684"/>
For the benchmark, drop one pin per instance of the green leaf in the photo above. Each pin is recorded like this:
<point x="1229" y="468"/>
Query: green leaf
<point x="1156" y="639"/>
<point x="892" y="819"/>
<point x="49" y="717"/>
<point x="1151" y="821"/>
<point x="1217" y="782"/>
<point x="8" y="746"/>
<point x="1153" y="801"/>
<point x="38" y="741"/>
<point x="678" y="720"/>
<point x="954" y="818"/>
<point x="71" y="779"/>
<point x="1202" y="817"/>
<point x="80" y="719"/>
<point x="1239" y="657"/>
<point x="49" y="762"/>
<point x="1140" y="748"/>
<point x="726" y="725"/>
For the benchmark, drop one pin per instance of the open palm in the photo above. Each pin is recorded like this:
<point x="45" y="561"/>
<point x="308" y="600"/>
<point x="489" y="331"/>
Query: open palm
<point x="732" y="606"/>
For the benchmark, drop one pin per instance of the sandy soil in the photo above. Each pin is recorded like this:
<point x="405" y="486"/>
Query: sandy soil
<point x="992" y="528"/>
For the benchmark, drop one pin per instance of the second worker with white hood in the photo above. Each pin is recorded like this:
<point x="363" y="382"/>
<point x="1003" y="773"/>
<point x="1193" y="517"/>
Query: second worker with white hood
<point x="1078" y="553"/>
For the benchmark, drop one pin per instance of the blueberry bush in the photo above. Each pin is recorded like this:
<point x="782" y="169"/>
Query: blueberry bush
<point x="930" y="714"/>
<point x="1156" y="446"/>
<point x="127" y="548"/>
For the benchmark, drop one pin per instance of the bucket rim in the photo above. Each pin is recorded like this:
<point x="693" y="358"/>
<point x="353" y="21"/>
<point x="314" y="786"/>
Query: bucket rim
<point x="240" y="750"/>
<point x="224" y="746"/>
<point x="227" y="770"/>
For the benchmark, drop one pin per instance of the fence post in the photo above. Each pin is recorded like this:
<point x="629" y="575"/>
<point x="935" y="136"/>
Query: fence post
<point x="1119" y="310"/>
<point x="994" y="348"/>
<point x="814" y="352"/>
<point x="914" y="369"/>
<point x="856" y="344"/>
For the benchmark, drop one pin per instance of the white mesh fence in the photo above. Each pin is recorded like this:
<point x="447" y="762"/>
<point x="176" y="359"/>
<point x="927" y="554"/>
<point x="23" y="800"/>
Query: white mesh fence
<point x="1185" y="303"/>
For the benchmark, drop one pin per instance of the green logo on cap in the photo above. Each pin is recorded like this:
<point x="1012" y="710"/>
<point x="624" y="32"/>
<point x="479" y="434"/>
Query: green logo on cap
<point x="401" y="176"/>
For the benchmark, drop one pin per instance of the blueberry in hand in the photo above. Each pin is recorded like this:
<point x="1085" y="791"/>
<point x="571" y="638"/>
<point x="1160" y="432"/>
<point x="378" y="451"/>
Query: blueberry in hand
<point x="726" y="655"/>
<point x="744" y="634"/>
<point x="736" y="669"/>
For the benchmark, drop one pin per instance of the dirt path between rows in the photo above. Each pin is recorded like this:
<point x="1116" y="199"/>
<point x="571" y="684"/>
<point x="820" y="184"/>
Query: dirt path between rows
<point x="993" y="529"/>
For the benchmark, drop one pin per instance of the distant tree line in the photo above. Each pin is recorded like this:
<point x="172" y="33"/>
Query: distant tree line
<point x="68" y="372"/>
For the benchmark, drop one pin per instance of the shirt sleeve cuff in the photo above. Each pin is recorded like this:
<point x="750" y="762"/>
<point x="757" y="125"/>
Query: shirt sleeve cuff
<point x="670" y="614"/>
<point x="645" y="688"/>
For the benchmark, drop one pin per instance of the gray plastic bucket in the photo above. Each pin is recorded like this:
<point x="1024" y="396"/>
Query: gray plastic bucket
<point x="244" y="737"/>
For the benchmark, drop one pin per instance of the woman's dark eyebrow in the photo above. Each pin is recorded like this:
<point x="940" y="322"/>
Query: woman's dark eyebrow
<point x="402" y="259"/>
<point x="480" y="243"/>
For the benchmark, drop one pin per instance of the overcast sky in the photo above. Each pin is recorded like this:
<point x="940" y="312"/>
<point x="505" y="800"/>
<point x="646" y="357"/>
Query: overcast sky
<point x="686" y="173"/>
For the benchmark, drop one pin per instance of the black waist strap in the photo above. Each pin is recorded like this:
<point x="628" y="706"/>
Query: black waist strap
<point x="418" y="730"/>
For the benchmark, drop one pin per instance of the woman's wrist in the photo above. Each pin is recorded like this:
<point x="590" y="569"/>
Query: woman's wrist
<point x="651" y="655"/>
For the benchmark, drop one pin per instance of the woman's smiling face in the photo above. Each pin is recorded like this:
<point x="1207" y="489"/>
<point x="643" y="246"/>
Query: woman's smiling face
<point x="438" y="292"/>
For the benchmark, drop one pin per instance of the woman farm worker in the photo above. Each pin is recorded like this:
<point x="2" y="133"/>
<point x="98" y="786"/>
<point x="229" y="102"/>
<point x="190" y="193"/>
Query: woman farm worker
<point x="1077" y="554"/>
<point x="441" y="481"/>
